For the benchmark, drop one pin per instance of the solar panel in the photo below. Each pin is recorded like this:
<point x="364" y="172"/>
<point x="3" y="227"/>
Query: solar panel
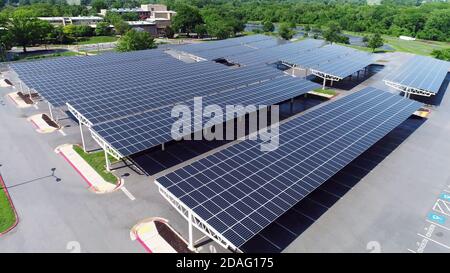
<point x="140" y="132"/>
<point x="344" y="67"/>
<point x="241" y="189"/>
<point x="121" y="103"/>
<point x="60" y="88"/>
<point x="274" y="54"/>
<point x="421" y="72"/>
<point x="212" y="45"/>
<point x="75" y="62"/>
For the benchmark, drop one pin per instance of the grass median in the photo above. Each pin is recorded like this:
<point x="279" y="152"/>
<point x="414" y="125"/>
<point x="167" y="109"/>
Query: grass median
<point x="97" y="161"/>
<point x="7" y="215"/>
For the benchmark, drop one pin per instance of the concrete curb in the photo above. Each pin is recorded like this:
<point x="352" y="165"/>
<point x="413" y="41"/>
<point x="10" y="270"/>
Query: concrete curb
<point x="91" y="187"/>
<point x="2" y="184"/>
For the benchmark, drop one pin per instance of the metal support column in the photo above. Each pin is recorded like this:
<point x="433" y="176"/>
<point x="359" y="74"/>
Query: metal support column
<point x="324" y="82"/>
<point x="191" y="238"/>
<point x="108" y="164"/>
<point x="162" y="147"/>
<point x="50" y="109"/>
<point x="82" y="136"/>
<point x="292" y="105"/>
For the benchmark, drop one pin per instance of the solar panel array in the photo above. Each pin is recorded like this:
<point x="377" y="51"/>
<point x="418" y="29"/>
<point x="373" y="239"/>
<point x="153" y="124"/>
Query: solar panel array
<point x="213" y="45"/>
<point x="63" y="86"/>
<point x="274" y="54"/>
<point x="421" y="72"/>
<point x="339" y="61"/>
<point x="75" y="62"/>
<point x="140" y="132"/>
<point x="241" y="189"/>
<point x="117" y="104"/>
<point x="230" y="47"/>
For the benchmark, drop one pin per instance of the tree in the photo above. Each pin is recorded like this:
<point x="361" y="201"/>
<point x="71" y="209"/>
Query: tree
<point x="218" y="29"/>
<point x="103" y="29"/>
<point x="169" y="32"/>
<point x="27" y="30"/>
<point x="285" y="31"/>
<point x="5" y="37"/>
<point x="443" y="54"/>
<point x="121" y="27"/>
<point x="332" y="33"/>
<point x="365" y="39"/>
<point x="97" y="5"/>
<point x="186" y="19"/>
<point x="200" y="30"/>
<point x="268" y="26"/>
<point x="135" y="40"/>
<point x="375" y="41"/>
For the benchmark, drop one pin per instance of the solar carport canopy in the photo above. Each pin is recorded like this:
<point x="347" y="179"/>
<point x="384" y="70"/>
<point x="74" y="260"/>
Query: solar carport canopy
<point x="274" y="54"/>
<point x="136" y="133"/>
<point x="334" y="60"/>
<point x="424" y="73"/>
<point x="213" y="45"/>
<point x="240" y="190"/>
<point x="76" y="62"/>
<point x="122" y="102"/>
<point x="64" y="86"/>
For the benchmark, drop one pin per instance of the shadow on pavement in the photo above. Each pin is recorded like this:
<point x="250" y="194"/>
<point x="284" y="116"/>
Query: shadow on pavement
<point x="155" y="160"/>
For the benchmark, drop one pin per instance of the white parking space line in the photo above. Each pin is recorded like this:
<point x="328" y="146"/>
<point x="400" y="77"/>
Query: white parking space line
<point x="127" y="193"/>
<point x="62" y="132"/>
<point x="442" y="207"/>
<point x="410" y="250"/>
<point x="35" y="106"/>
<point x="434" y="241"/>
<point x="431" y="222"/>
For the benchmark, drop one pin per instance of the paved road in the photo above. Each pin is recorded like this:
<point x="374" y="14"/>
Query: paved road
<point x="52" y="213"/>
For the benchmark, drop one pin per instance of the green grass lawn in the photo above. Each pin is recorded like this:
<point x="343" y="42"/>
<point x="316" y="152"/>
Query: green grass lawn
<point x="420" y="47"/>
<point x="363" y="48"/>
<point x="98" y="40"/>
<point x="97" y="161"/>
<point x="51" y="55"/>
<point x="7" y="216"/>
<point x="325" y="91"/>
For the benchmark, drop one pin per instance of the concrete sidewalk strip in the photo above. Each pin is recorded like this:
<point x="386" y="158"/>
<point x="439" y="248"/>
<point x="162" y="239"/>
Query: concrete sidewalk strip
<point x="96" y="183"/>
<point x="147" y="235"/>
<point x="40" y="124"/>
<point x="18" y="101"/>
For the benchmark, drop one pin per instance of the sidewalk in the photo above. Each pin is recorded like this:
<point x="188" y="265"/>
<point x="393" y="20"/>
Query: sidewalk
<point x="96" y="183"/>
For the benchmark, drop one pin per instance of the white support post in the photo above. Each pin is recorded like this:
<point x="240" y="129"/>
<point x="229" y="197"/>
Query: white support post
<point x="191" y="237"/>
<point x="20" y="86"/>
<point x="108" y="164"/>
<point x="50" y="109"/>
<point x="29" y="93"/>
<point x="331" y="82"/>
<point x="82" y="136"/>
<point x="293" y="71"/>
<point x="162" y="147"/>
<point x="324" y="82"/>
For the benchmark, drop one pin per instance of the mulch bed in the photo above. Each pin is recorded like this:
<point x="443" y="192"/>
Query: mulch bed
<point x="26" y="97"/>
<point x="49" y="121"/>
<point x="9" y="82"/>
<point x="171" y="238"/>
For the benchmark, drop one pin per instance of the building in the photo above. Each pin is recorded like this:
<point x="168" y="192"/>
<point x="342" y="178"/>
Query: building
<point x="80" y="20"/>
<point x="147" y="26"/>
<point x="154" y="18"/>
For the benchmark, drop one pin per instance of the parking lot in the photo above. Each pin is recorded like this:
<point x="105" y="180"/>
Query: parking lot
<point x="383" y="201"/>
